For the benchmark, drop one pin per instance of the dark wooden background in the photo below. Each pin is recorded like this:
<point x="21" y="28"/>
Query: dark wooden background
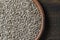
<point x="52" y="21"/>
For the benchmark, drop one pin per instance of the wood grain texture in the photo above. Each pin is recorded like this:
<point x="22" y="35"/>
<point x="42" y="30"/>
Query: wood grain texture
<point x="51" y="1"/>
<point x="52" y="12"/>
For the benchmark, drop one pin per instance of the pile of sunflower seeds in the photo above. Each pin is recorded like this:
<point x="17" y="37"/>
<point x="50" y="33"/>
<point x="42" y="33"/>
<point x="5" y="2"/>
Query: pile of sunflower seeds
<point x="19" y="20"/>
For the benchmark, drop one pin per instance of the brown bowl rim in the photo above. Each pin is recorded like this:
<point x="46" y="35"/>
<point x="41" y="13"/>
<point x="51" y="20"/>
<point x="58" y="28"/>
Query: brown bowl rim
<point x="39" y="7"/>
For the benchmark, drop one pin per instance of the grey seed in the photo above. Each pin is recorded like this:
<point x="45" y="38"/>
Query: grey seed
<point x="19" y="20"/>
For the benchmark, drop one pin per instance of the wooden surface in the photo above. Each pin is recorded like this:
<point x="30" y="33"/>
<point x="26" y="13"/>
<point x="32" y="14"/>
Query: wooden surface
<point x="52" y="21"/>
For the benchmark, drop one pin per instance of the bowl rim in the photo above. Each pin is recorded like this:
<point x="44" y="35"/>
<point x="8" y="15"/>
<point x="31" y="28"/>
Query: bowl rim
<point x="40" y="9"/>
